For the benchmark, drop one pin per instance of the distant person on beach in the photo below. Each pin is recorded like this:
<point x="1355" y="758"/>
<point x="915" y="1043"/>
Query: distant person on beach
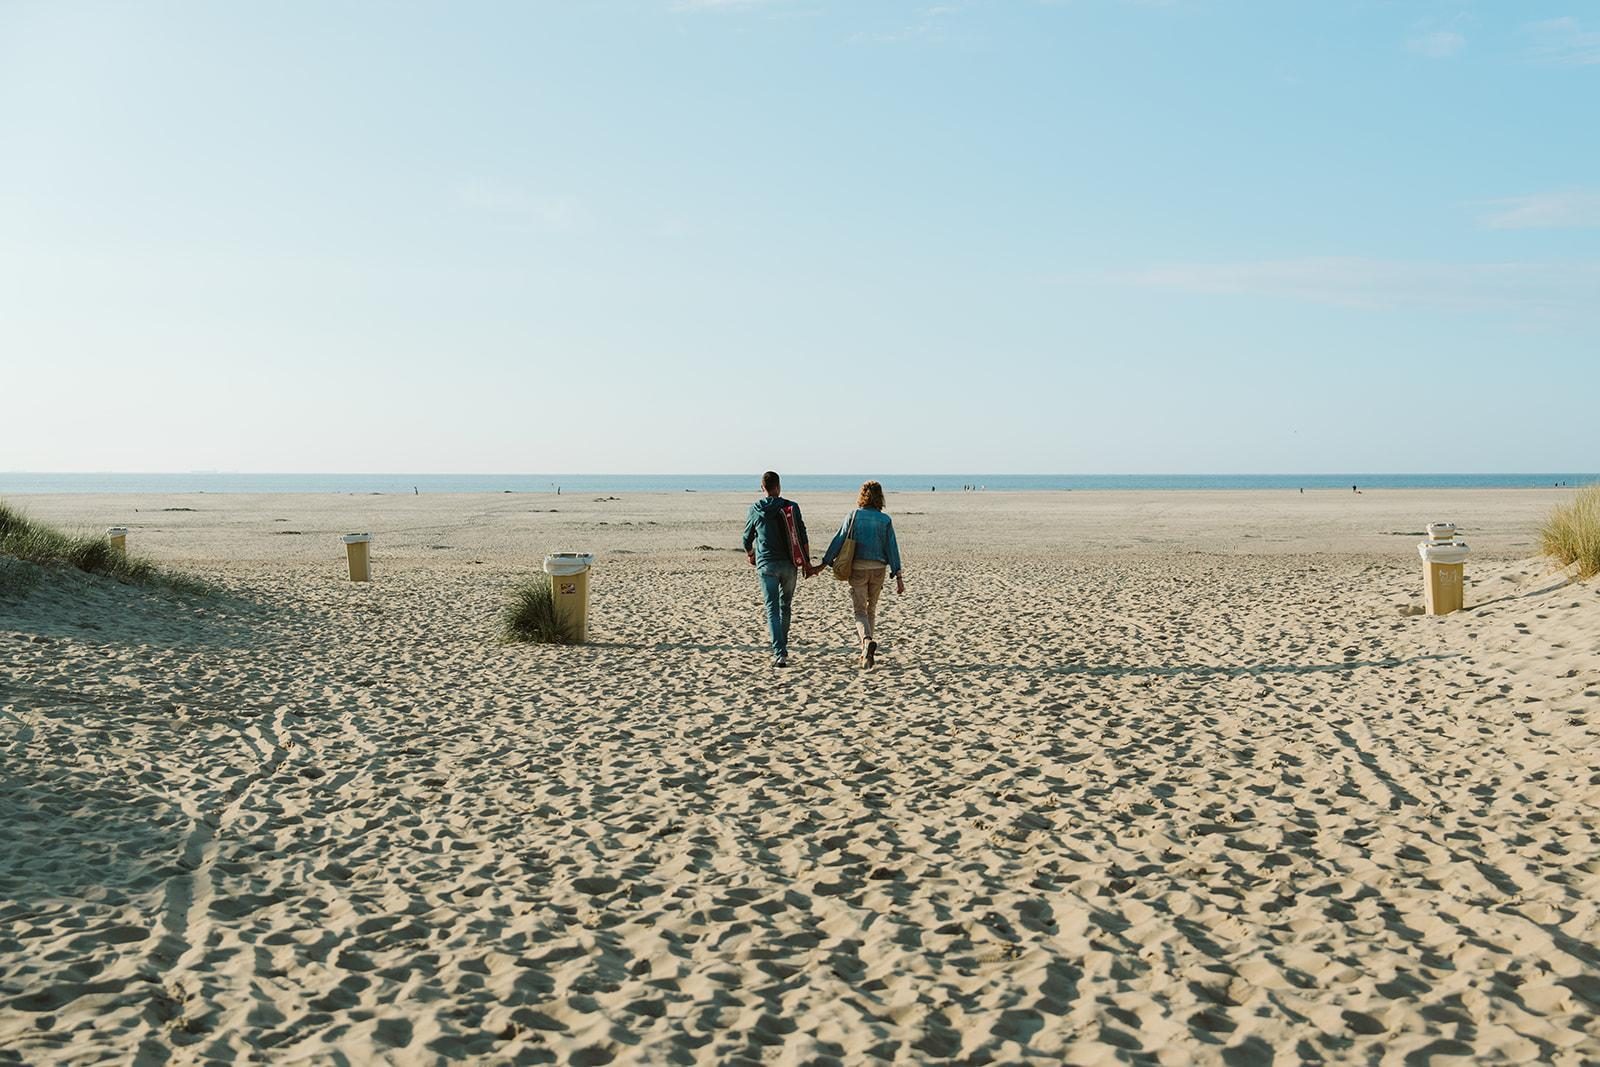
<point x="768" y="547"/>
<point x="877" y="556"/>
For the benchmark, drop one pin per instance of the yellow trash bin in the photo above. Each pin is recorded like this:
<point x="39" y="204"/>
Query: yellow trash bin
<point x="118" y="536"/>
<point x="569" y="587"/>
<point x="356" y="549"/>
<point x="1443" y="571"/>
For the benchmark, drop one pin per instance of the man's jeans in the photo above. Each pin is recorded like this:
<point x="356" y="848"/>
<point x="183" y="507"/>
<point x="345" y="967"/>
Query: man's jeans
<point x="777" y="590"/>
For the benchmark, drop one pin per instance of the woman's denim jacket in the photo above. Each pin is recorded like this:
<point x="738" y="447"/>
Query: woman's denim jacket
<point x="874" y="536"/>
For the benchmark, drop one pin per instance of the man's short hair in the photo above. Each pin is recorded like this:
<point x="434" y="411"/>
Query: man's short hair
<point x="769" y="481"/>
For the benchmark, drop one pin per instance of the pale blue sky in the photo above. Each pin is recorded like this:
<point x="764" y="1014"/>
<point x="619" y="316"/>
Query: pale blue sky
<point x="723" y="235"/>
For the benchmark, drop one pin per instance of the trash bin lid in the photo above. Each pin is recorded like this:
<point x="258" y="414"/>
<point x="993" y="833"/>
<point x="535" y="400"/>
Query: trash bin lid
<point x="116" y="531"/>
<point x="356" y="539"/>
<point x="563" y="563"/>
<point x="1442" y="531"/>
<point x="1453" y="552"/>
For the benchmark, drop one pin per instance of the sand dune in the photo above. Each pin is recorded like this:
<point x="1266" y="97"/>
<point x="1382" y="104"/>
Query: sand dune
<point x="1142" y="778"/>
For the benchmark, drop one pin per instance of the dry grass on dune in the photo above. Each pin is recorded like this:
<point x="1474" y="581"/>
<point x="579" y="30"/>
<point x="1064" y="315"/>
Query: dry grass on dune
<point x="30" y="541"/>
<point x="1571" y="533"/>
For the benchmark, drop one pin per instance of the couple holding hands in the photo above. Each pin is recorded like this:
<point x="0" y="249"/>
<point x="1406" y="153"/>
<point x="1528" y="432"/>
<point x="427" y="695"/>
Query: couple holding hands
<point x="775" y="543"/>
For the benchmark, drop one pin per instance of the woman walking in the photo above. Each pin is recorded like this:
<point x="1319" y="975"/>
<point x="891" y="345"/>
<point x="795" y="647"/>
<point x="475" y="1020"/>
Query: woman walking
<point x="877" y="556"/>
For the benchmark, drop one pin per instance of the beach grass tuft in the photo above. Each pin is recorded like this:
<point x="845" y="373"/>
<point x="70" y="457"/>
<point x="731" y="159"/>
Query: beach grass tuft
<point x="30" y="541"/>
<point x="530" y="615"/>
<point x="1571" y="533"/>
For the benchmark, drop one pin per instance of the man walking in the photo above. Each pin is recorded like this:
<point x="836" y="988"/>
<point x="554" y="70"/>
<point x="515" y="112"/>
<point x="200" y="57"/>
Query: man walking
<point x="776" y="545"/>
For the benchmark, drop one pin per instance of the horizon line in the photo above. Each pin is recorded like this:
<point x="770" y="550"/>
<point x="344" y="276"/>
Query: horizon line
<point x="802" y="474"/>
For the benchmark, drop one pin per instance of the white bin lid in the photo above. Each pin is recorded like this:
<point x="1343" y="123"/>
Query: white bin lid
<point x="564" y="563"/>
<point x="1442" y="531"/>
<point x="356" y="539"/>
<point x="1454" y="552"/>
<point x="116" y="531"/>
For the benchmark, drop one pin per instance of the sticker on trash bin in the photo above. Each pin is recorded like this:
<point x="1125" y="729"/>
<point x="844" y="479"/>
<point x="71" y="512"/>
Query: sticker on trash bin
<point x="569" y="588"/>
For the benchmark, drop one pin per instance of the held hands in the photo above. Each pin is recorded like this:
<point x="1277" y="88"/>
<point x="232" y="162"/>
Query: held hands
<point x="750" y="555"/>
<point x="806" y="569"/>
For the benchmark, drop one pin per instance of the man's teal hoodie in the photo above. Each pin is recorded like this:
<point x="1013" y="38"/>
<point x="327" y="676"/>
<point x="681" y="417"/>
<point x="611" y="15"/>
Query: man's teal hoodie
<point x="765" y="530"/>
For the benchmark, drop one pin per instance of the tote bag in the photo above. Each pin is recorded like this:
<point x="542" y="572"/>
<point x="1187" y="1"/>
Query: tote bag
<point x="847" y="552"/>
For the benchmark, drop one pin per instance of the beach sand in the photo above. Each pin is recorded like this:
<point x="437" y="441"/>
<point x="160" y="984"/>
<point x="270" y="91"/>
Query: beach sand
<point x="1141" y="777"/>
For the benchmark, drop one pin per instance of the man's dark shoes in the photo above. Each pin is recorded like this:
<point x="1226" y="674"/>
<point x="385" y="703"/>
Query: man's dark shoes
<point x="872" y="650"/>
<point x="781" y="661"/>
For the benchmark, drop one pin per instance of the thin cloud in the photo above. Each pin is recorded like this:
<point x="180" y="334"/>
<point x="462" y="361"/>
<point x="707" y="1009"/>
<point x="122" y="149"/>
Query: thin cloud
<point x="673" y="229"/>
<point x="920" y="31"/>
<point x="1564" y="42"/>
<point x="1383" y="283"/>
<point x="1569" y="209"/>
<point x="693" y="7"/>
<point x="551" y="214"/>
<point x="1440" y="44"/>
<point x="932" y="24"/>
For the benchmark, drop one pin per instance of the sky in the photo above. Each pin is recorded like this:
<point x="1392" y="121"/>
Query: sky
<point x="714" y="236"/>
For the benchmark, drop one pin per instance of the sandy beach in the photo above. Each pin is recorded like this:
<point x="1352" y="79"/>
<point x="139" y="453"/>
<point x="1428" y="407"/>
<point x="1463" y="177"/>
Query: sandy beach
<point x="1159" y="777"/>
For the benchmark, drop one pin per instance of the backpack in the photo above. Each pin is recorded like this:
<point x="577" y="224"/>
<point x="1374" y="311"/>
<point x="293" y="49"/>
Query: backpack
<point x="793" y="534"/>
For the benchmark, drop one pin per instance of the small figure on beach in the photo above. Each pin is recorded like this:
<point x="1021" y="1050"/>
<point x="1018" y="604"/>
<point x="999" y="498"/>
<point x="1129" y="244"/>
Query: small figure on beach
<point x="869" y="533"/>
<point x="776" y="545"/>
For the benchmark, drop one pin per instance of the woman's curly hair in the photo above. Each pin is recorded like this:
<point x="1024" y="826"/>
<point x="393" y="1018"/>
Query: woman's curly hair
<point x="871" y="496"/>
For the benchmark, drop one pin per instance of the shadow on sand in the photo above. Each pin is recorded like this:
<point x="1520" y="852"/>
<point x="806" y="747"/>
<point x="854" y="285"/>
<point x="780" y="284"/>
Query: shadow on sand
<point x="1092" y="670"/>
<point x="63" y="603"/>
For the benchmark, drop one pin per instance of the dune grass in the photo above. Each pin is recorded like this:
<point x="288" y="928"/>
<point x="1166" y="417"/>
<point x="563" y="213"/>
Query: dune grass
<point x="29" y="541"/>
<point x="1571" y="533"/>
<point x="530" y="615"/>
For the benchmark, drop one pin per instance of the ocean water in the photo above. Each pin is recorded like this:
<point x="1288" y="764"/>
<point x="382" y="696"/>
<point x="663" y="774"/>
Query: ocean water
<point x="222" y="482"/>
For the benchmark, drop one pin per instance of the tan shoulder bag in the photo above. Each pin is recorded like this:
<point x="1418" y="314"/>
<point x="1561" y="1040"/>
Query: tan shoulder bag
<point x="847" y="552"/>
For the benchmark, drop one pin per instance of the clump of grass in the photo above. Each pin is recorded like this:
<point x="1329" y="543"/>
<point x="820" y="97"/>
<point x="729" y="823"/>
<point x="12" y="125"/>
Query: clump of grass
<point x="1571" y="533"/>
<point x="530" y="615"/>
<point x="22" y="538"/>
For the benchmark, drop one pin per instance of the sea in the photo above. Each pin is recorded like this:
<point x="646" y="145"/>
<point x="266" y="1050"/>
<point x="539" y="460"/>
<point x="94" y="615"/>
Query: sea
<point x="15" y="483"/>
